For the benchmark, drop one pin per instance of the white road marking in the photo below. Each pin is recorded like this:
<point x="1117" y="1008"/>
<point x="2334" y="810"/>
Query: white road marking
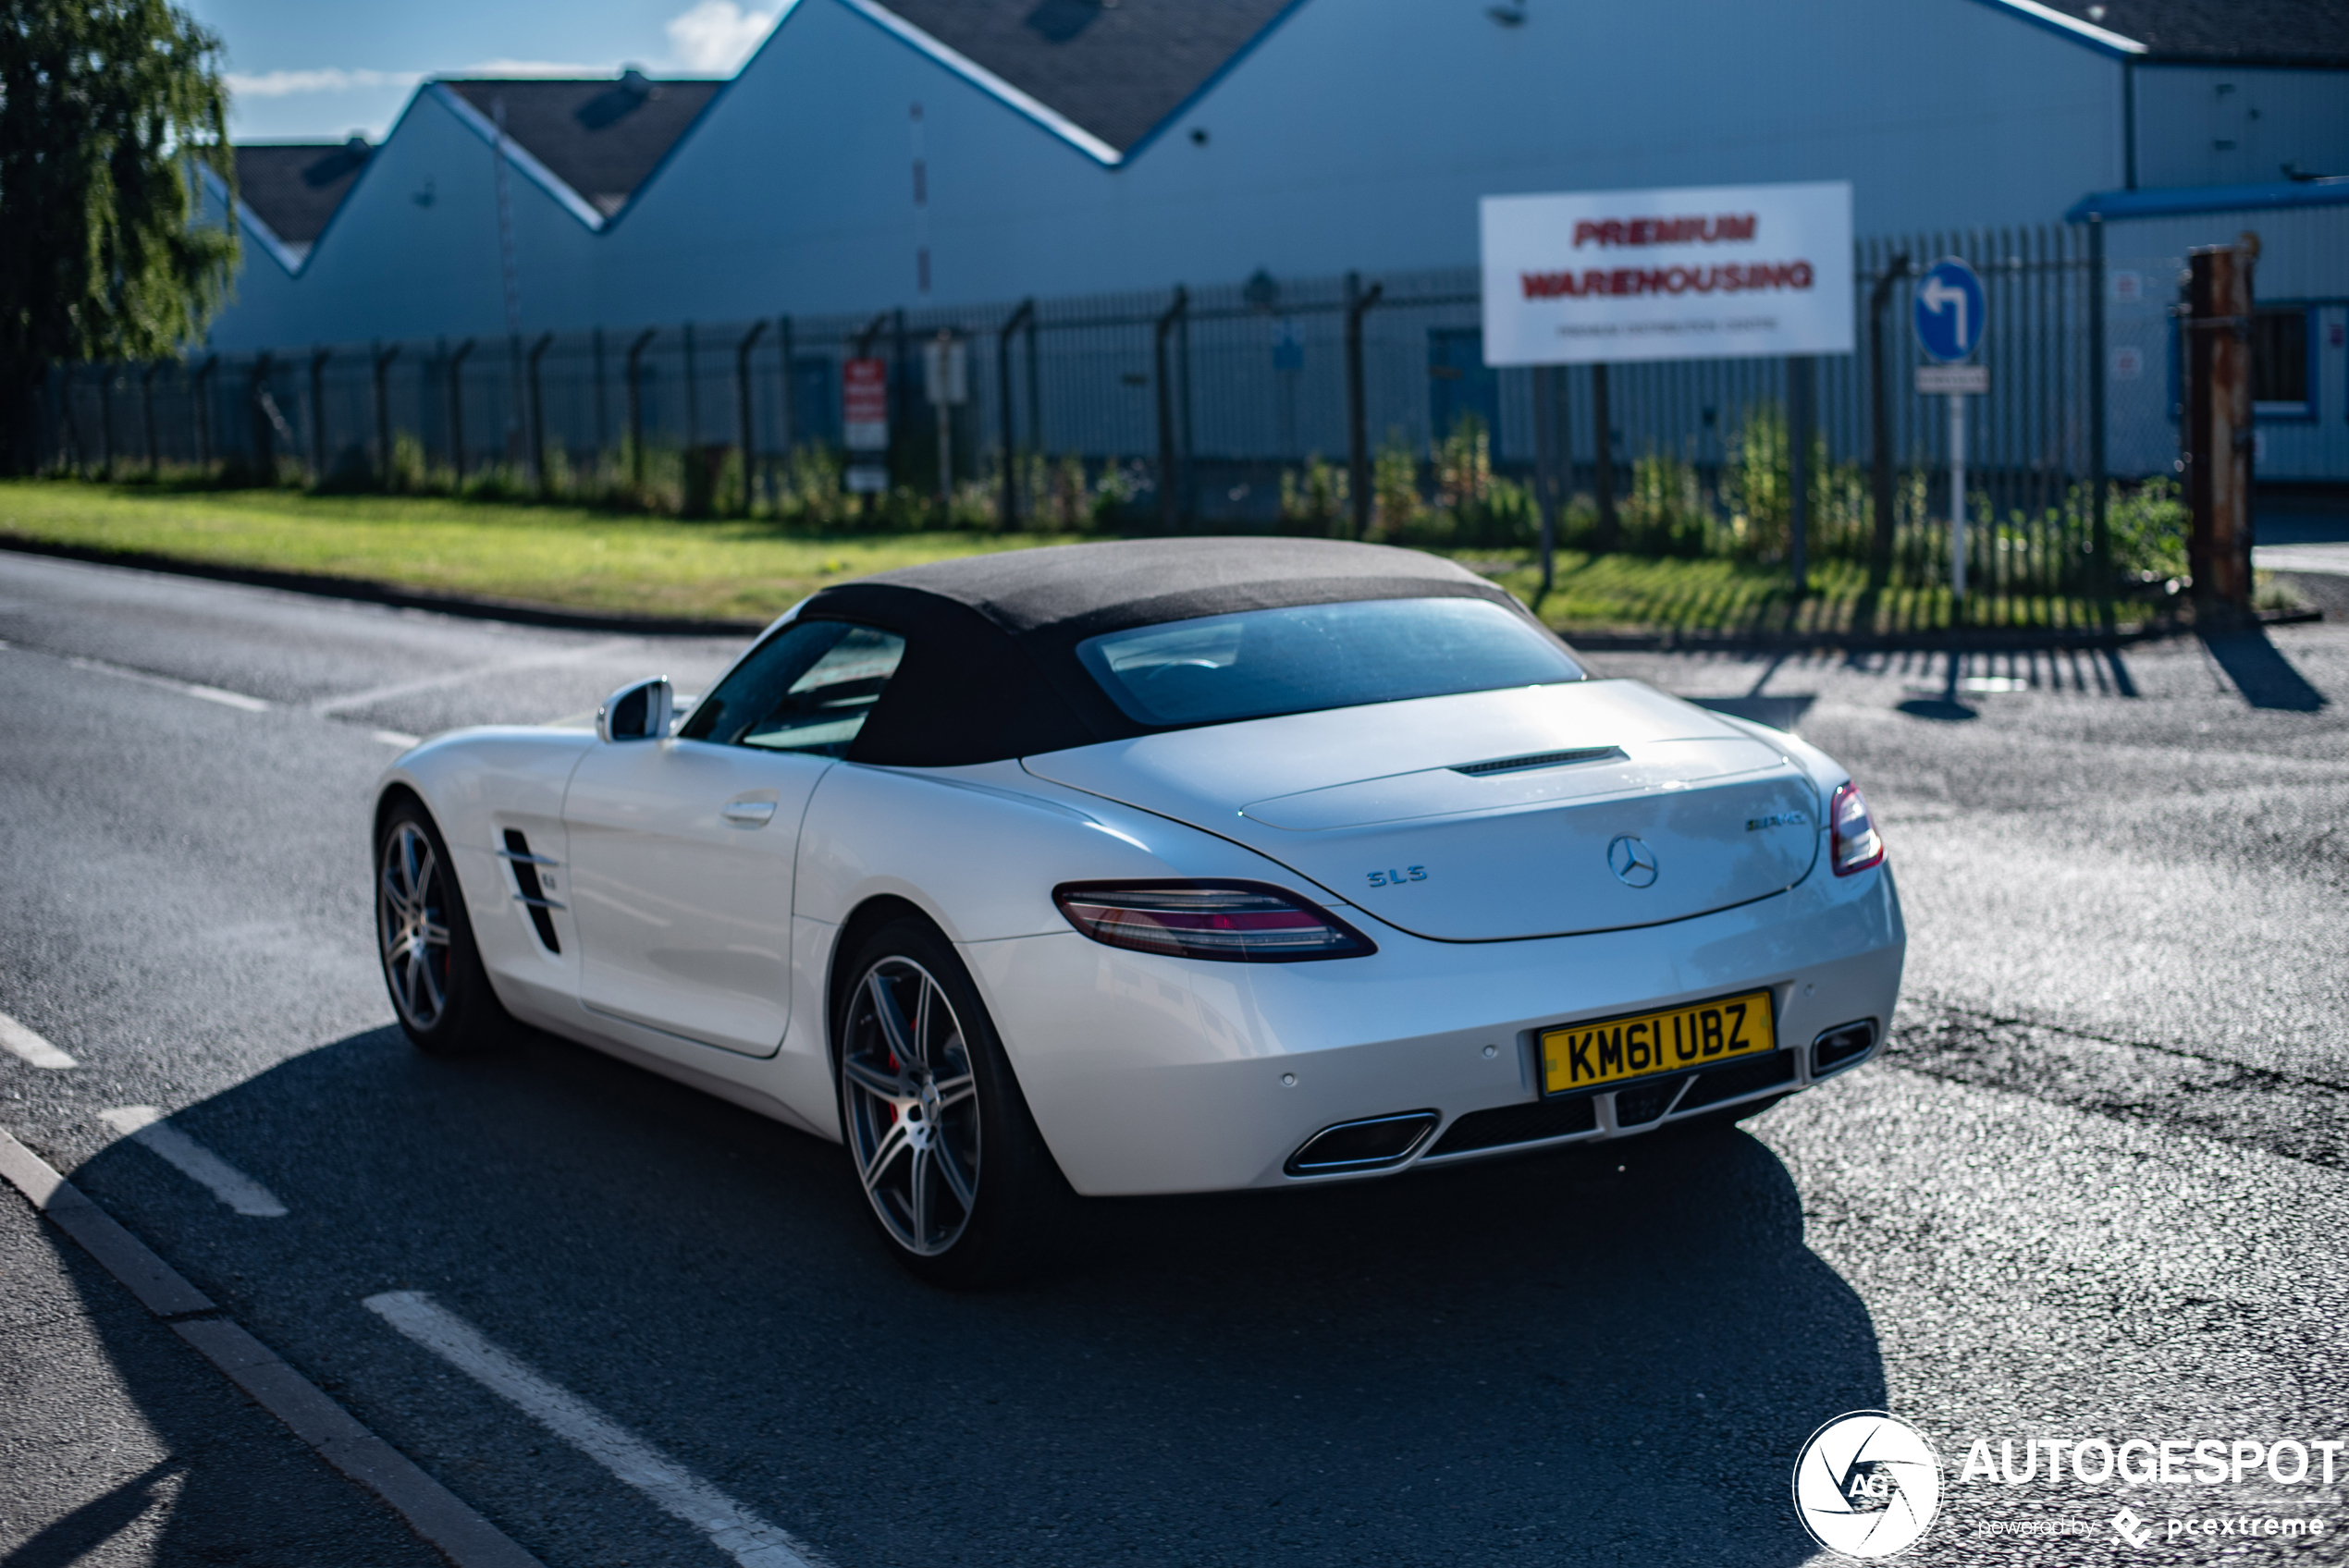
<point x="228" y="699"/>
<point x="185" y="688"/>
<point x="30" y="1046"/>
<point x="145" y="1124"/>
<point x="394" y="738"/>
<point x="731" y="1528"/>
<point x="463" y="1537"/>
<point x="458" y="676"/>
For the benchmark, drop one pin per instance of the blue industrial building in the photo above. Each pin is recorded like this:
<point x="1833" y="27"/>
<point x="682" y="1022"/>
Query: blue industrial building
<point x="958" y="153"/>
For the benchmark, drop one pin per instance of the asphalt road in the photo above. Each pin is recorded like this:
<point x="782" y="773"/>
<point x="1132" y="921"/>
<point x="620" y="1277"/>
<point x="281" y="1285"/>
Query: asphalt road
<point x="2098" y="1189"/>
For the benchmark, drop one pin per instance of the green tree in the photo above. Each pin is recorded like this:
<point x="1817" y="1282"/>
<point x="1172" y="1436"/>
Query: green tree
<point x="108" y="108"/>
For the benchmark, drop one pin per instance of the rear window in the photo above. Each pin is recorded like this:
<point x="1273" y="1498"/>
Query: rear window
<point x="1303" y="658"/>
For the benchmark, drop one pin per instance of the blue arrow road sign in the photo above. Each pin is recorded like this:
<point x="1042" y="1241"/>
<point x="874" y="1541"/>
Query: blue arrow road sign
<point x="1949" y="311"/>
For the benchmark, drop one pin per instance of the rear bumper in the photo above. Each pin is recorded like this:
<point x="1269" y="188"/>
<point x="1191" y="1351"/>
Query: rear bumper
<point x="1150" y="1074"/>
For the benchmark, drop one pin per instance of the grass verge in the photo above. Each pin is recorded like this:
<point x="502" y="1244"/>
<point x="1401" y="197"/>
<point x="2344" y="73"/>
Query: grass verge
<point x="582" y="559"/>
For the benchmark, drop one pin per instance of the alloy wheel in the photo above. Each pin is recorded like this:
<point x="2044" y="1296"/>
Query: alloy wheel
<point x="411" y="919"/>
<point x="912" y="1106"/>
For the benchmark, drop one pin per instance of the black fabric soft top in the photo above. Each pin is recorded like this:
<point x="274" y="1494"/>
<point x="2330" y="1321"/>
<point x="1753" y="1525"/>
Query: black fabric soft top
<point x="991" y="669"/>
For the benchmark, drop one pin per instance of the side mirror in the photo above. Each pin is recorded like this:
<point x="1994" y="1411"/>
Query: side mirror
<point x="639" y="711"/>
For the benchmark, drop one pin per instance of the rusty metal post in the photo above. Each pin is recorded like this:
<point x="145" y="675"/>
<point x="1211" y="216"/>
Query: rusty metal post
<point x="2215" y="424"/>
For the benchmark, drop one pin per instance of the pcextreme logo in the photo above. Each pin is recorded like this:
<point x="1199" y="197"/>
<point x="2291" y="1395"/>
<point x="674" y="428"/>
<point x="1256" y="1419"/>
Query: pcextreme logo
<point x="1867" y="1485"/>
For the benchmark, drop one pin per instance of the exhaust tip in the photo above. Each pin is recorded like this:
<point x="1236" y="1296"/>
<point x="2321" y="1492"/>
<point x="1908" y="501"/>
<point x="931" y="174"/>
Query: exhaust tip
<point x="1369" y="1144"/>
<point x="1846" y="1045"/>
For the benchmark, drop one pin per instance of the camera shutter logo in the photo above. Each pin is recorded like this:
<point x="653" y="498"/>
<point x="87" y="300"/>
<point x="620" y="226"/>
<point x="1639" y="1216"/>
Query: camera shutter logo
<point x="1867" y="1485"/>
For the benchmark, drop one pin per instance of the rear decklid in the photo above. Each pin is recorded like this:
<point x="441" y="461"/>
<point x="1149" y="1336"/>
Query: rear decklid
<point x="1487" y="816"/>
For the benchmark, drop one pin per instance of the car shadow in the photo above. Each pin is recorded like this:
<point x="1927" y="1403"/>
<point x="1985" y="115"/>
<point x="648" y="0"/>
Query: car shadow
<point x="1597" y="1358"/>
<point x="2261" y="672"/>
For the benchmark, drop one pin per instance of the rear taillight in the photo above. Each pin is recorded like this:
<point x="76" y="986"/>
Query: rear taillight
<point x="1236" y="922"/>
<point x="1854" y="842"/>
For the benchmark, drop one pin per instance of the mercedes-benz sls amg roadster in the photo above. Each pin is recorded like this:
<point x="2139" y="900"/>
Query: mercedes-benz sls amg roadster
<point x="1146" y="867"/>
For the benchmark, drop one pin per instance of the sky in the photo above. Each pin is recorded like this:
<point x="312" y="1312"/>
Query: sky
<point x="300" y="71"/>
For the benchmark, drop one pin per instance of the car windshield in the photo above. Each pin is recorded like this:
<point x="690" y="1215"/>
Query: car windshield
<point x="1260" y="663"/>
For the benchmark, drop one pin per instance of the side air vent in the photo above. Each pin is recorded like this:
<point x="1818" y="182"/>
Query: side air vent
<point x="533" y="893"/>
<point x="1540" y="759"/>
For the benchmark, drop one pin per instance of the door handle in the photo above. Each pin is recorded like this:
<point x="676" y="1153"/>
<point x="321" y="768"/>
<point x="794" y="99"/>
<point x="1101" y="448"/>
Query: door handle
<point x="748" y="814"/>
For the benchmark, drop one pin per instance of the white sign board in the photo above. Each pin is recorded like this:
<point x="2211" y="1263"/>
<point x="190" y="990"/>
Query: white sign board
<point x="1960" y="379"/>
<point x="1710" y="271"/>
<point x="946" y="370"/>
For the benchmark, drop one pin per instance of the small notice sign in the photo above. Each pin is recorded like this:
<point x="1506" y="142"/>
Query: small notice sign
<point x="1953" y="378"/>
<point x="864" y="396"/>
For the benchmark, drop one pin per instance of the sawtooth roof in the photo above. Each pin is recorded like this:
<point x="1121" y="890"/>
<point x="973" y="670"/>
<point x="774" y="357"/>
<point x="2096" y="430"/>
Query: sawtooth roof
<point x="601" y="137"/>
<point x="294" y="187"/>
<point x="2294" y="32"/>
<point x="1115" y="68"/>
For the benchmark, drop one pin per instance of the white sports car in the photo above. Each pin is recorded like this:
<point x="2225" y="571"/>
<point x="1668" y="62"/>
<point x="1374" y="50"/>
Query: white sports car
<point x="1162" y="866"/>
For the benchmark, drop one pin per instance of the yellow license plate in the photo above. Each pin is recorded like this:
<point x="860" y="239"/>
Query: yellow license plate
<point x="1583" y="1056"/>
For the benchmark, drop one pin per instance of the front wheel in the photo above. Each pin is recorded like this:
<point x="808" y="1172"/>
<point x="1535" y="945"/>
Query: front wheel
<point x="951" y="1166"/>
<point x="430" y="964"/>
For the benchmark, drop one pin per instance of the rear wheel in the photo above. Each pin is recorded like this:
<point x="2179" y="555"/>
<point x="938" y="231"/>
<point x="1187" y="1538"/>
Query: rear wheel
<point x="952" y="1169"/>
<point x="430" y="964"/>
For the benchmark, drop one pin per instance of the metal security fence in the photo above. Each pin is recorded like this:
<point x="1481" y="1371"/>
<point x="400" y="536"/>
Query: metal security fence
<point x="1268" y="403"/>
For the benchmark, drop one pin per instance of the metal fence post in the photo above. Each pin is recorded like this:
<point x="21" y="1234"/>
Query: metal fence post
<point x="789" y="404"/>
<point x="603" y="400"/>
<point x="1880" y="421"/>
<point x="456" y="409"/>
<point x="1545" y="465"/>
<point x="2100" y="530"/>
<point x="1801" y="384"/>
<point x="105" y="418"/>
<point x="381" y="358"/>
<point x="199" y="411"/>
<point x="538" y="417"/>
<point x="1602" y="468"/>
<point x="636" y="408"/>
<point x="742" y="403"/>
<point x="693" y="393"/>
<point x="1358" y="445"/>
<point x="265" y="451"/>
<point x="318" y="357"/>
<point x="147" y="416"/>
<point x="1169" y="485"/>
<point x="1024" y="316"/>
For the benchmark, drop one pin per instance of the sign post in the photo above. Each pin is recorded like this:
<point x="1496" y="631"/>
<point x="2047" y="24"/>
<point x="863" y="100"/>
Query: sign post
<point x="1948" y="316"/>
<point x="946" y="380"/>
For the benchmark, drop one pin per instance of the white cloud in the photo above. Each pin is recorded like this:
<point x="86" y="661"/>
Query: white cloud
<point x="718" y="35"/>
<point x="282" y="84"/>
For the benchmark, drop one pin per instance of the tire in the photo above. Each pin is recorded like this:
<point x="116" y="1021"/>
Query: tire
<point x="426" y="943"/>
<point x="939" y="1140"/>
